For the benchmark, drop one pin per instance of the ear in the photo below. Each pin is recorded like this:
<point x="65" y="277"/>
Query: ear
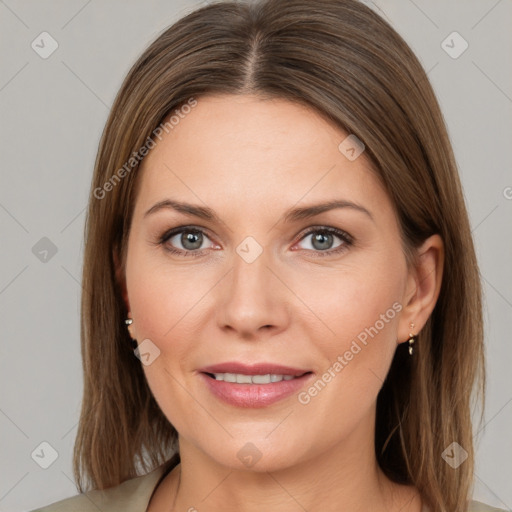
<point x="423" y="287"/>
<point x="120" y="277"/>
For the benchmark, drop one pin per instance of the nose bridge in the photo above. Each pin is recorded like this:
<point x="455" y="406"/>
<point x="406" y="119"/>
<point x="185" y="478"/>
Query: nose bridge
<point x="250" y="270"/>
<point x="252" y="297"/>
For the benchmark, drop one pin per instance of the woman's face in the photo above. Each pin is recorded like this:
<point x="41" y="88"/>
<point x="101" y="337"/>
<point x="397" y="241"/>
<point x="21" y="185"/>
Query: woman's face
<point x="253" y="286"/>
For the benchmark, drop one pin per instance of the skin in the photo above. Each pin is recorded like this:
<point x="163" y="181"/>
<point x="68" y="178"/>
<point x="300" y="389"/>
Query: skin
<point x="250" y="160"/>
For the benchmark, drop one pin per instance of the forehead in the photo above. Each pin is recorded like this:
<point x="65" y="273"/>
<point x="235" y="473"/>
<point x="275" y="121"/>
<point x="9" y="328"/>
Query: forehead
<point x="254" y="153"/>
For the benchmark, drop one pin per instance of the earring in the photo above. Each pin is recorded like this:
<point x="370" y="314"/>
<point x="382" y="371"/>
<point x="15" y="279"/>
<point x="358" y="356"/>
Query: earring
<point x="133" y="341"/>
<point x="412" y="339"/>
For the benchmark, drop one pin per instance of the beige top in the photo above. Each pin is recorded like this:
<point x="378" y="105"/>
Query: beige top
<point x="134" y="496"/>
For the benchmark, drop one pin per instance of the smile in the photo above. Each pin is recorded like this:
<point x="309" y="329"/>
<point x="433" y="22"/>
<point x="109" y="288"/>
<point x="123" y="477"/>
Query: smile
<point x="241" y="378"/>
<point x="253" y="391"/>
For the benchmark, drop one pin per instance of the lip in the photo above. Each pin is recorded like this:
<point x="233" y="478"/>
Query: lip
<point x="254" y="395"/>
<point x="253" y="369"/>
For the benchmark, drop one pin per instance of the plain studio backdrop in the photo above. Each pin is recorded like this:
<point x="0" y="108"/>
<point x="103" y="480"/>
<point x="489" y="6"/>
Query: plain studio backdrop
<point x="54" y="99"/>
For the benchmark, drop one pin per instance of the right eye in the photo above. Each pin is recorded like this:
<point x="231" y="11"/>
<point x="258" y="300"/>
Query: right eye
<point x="190" y="239"/>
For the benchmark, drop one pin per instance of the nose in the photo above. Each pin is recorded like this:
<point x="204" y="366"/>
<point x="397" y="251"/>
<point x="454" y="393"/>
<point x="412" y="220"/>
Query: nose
<point x="253" y="302"/>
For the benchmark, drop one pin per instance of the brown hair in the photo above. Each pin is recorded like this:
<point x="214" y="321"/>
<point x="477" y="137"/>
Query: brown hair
<point x="342" y="59"/>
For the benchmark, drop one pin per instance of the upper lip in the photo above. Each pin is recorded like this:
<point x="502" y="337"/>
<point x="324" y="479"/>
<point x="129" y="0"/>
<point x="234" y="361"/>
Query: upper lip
<point x="253" y="369"/>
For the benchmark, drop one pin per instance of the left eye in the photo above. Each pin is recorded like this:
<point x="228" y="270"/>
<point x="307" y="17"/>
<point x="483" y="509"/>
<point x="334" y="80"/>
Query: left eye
<point x="324" y="240"/>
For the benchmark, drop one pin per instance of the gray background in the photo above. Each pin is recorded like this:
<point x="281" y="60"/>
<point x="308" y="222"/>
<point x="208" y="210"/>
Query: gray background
<point x="52" y="113"/>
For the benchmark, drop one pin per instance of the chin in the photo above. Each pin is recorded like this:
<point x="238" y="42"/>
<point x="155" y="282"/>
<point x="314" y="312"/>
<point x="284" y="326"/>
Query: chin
<point x="260" y="455"/>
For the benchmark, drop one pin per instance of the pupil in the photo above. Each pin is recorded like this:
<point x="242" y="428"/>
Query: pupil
<point x="323" y="238"/>
<point x="194" y="239"/>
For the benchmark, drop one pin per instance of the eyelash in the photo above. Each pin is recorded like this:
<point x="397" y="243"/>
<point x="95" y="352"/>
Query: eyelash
<point x="347" y="240"/>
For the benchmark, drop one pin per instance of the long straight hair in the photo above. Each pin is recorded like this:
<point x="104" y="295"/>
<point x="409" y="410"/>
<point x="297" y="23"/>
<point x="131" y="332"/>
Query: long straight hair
<point x="342" y="59"/>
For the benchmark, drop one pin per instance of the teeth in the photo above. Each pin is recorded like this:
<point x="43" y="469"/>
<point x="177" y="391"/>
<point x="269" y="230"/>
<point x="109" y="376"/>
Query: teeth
<point x="240" y="378"/>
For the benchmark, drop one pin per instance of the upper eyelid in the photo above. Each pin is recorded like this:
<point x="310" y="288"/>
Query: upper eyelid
<point x="170" y="233"/>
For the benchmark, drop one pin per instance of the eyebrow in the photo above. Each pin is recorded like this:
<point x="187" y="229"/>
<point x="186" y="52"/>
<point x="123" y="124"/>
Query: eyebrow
<point x="291" y="215"/>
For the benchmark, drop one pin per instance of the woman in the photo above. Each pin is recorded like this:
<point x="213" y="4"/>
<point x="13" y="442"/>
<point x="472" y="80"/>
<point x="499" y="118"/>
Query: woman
<point x="276" y="223"/>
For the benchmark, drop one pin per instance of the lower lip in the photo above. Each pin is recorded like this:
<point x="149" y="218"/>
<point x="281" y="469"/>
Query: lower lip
<point x="254" y="395"/>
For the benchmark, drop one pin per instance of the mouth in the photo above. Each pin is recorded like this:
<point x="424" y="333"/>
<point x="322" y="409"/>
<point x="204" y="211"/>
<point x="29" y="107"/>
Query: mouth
<point x="241" y="378"/>
<point x="254" y="369"/>
<point x="257" y="385"/>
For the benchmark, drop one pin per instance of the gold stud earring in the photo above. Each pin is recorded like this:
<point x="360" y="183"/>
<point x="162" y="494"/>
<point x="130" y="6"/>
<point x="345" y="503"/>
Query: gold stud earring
<point x="412" y="339"/>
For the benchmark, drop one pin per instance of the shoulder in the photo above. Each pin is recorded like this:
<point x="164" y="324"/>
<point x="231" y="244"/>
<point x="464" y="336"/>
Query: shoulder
<point x="130" y="496"/>
<point x="477" y="506"/>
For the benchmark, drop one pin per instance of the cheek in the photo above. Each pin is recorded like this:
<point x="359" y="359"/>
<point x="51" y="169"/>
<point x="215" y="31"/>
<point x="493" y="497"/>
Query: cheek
<point x="162" y="304"/>
<point x="162" y="296"/>
<point x="363" y="313"/>
<point x="361" y="307"/>
<point x="352" y="301"/>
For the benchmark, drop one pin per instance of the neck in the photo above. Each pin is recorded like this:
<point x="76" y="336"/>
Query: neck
<point x="344" y="477"/>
